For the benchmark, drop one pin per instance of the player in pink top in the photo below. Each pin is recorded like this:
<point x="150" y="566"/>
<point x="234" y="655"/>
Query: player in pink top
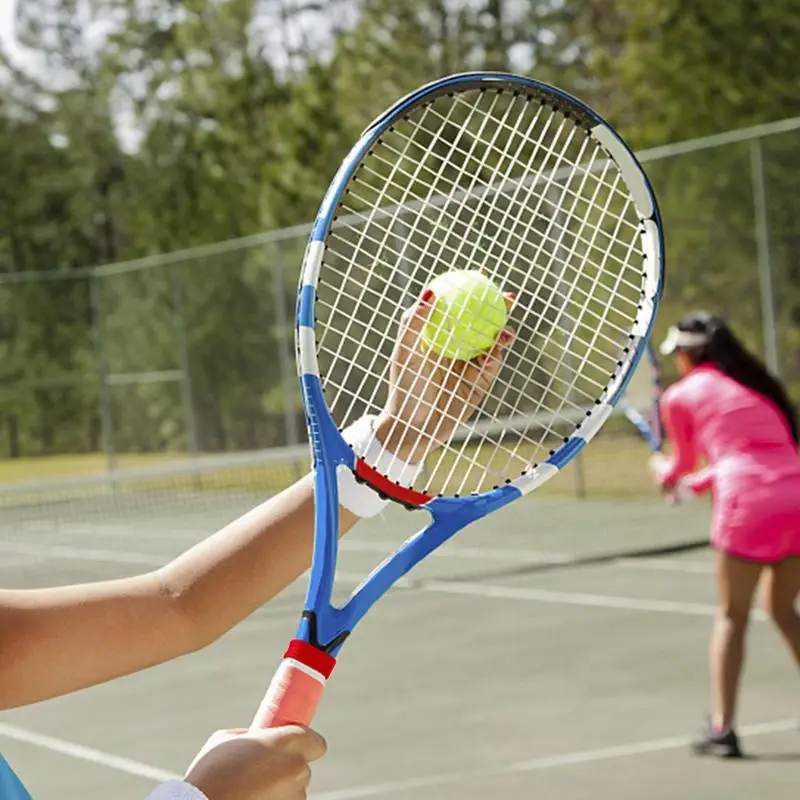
<point x="730" y="412"/>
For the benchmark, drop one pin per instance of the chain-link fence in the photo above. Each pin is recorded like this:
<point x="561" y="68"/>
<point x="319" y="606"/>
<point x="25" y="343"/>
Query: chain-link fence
<point x="191" y="353"/>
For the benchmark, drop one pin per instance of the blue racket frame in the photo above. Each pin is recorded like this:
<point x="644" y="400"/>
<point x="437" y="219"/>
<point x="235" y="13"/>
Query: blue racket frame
<point x="323" y="624"/>
<point x="651" y="432"/>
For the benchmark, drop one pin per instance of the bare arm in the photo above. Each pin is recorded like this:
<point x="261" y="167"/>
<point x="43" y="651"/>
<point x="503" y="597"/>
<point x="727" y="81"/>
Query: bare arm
<point x="55" y="641"/>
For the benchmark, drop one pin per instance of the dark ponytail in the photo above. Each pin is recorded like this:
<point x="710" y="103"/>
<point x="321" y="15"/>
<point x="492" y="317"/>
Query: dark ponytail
<point x="726" y="351"/>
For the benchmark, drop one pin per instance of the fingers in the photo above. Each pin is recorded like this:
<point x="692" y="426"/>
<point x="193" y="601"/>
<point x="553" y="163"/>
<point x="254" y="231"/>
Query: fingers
<point x="244" y="764"/>
<point x="412" y="321"/>
<point x="414" y="318"/>
<point x="502" y="344"/>
<point x="478" y="376"/>
<point x="486" y="367"/>
<point x="510" y="298"/>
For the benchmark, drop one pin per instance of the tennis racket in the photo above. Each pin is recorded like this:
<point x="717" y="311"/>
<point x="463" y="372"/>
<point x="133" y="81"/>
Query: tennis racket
<point x="501" y="175"/>
<point x="640" y="404"/>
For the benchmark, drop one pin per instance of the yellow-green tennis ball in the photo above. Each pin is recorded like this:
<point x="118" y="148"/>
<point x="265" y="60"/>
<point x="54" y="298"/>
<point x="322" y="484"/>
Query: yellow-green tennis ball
<point x="468" y="314"/>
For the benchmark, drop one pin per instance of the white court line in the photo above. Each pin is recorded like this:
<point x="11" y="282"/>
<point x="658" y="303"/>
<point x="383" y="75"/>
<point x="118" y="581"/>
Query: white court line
<point x="380" y="548"/>
<point x="541" y="764"/>
<point x="569" y="598"/>
<point x="82" y="753"/>
<point x="85" y="554"/>
<point x="536" y="557"/>
<point x="156" y="774"/>
<point x="442" y="587"/>
<point x="176" y="533"/>
<point x="554" y="597"/>
<point x="463" y="552"/>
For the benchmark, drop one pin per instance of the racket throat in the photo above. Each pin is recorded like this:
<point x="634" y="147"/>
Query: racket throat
<point x="312" y="634"/>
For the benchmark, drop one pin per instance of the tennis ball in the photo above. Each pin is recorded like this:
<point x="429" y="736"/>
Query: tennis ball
<point x="469" y="313"/>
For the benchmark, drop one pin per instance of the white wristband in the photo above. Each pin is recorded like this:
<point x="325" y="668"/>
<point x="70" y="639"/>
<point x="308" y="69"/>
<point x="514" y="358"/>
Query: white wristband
<point x="176" y="790"/>
<point x="359" y="498"/>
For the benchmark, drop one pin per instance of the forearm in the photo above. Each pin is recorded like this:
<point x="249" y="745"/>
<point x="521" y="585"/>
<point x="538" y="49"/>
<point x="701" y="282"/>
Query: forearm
<point x="232" y="573"/>
<point x="54" y="641"/>
<point x="679" y="431"/>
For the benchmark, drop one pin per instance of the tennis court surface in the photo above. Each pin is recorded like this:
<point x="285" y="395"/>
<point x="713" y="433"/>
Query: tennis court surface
<point x="556" y="651"/>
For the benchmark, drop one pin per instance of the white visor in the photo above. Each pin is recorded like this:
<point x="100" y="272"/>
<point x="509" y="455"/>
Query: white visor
<point x="676" y="339"/>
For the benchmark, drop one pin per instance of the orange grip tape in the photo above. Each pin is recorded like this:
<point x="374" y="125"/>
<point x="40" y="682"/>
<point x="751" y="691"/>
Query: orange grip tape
<point x="296" y="688"/>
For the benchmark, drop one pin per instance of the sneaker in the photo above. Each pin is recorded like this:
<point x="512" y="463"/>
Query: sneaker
<point x="711" y="743"/>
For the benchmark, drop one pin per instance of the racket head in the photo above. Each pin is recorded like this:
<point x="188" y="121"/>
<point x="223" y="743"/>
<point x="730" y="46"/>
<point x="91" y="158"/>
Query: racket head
<point x="473" y="171"/>
<point x="641" y="402"/>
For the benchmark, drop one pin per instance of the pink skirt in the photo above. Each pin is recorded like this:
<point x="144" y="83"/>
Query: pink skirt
<point x="761" y="523"/>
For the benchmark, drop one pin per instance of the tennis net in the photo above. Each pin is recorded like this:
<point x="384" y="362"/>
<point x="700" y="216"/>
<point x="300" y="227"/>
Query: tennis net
<point x="612" y="466"/>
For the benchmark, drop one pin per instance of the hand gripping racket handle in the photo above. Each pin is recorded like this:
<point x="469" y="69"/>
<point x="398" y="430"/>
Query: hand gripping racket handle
<point x="296" y="688"/>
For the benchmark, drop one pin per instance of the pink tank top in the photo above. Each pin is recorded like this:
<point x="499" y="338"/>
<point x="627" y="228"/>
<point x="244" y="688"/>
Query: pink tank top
<point x="740" y="433"/>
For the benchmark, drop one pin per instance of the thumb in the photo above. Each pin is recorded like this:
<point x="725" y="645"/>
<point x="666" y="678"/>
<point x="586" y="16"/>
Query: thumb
<point x="294" y="739"/>
<point x="415" y="317"/>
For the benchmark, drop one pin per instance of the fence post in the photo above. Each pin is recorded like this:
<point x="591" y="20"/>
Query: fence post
<point x="284" y="343"/>
<point x="762" y="248"/>
<point x="187" y="396"/>
<point x="101" y="360"/>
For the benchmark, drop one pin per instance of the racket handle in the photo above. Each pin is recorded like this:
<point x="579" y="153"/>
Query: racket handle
<point x="296" y="688"/>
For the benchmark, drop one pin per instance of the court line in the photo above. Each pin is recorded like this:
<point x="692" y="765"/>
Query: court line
<point x="540" y="764"/>
<point x="555" y="597"/>
<point x="464" y="552"/>
<point x="380" y="548"/>
<point x="536" y="557"/>
<point x="442" y="587"/>
<point x="570" y="598"/>
<point x="89" y="754"/>
<point x="85" y="554"/>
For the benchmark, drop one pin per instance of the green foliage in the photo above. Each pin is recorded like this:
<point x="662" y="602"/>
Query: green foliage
<point x="139" y="128"/>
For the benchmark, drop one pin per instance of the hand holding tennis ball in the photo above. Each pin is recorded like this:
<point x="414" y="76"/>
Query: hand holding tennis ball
<point x="469" y="313"/>
<point x="429" y="397"/>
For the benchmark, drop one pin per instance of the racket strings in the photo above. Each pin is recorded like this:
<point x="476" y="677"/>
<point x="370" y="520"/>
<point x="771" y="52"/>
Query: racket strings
<point x="504" y="249"/>
<point x="570" y="334"/>
<point x="500" y="123"/>
<point x="541" y="147"/>
<point x="523" y="195"/>
<point x="341" y="385"/>
<point x="390" y="255"/>
<point x="482" y="264"/>
<point x="478" y="197"/>
<point x="442" y="417"/>
<point x="502" y="399"/>
<point x="566" y="399"/>
<point x="370" y="368"/>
